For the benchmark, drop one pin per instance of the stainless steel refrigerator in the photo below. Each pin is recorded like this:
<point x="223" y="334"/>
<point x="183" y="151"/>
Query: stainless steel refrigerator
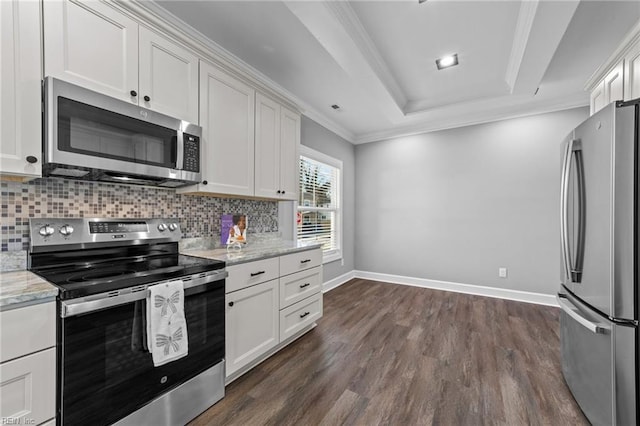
<point x="599" y="264"/>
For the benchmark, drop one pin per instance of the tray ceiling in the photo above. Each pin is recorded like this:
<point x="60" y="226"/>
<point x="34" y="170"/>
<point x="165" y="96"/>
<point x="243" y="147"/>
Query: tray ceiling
<point x="376" y="59"/>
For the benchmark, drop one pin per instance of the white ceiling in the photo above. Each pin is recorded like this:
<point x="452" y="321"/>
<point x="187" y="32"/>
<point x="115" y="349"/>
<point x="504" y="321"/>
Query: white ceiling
<point x="376" y="59"/>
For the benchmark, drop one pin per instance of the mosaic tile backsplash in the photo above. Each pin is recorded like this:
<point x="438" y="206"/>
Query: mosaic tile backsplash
<point x="199" y="216"/>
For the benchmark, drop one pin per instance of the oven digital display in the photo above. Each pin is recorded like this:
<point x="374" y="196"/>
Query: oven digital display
<point x="117" y="227"/>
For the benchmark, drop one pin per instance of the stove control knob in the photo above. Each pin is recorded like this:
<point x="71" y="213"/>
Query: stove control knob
<point x="46" y="231"/>
<point x="173" y="226"/>
<point x="66" y="230"/>
<point x="162" y="227"/>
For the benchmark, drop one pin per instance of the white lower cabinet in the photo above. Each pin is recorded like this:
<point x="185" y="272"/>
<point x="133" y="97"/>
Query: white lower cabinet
<point x="299" y="315"/>
<point x="28" y="388"/>
<point x="28" y="364"/>
<point x="269" y="302"/>
<point x="251" y="324"/>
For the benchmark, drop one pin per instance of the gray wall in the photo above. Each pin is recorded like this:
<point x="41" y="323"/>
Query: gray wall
<point x="317" y="137"/>
<point x="456" y="205"/>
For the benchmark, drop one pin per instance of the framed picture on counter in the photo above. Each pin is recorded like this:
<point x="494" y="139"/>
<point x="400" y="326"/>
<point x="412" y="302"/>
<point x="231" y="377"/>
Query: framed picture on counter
<point x="233" y="228"/>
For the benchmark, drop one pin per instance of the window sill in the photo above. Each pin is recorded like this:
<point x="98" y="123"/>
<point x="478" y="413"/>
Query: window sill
<point x="331" y="257"/>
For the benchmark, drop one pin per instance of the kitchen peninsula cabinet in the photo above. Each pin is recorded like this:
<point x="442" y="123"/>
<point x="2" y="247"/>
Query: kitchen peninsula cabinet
<point x="93" y="45"/>
<point x="28" y="364"/>
<point x="20" y="90"/>
<point x="276" y="150"/>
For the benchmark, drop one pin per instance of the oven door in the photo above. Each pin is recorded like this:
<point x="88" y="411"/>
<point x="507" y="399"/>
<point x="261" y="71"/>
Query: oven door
<point x="105" y="371"/>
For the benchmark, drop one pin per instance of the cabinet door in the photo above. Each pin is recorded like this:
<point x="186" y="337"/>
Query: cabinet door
<point x="597" y="100"/>
<point x="252" y="324"/>
<point x="632" y="73"/>
<point x="614" y="84"/>
<point x="289" y="160"/>
<point x="92" y="45"/>
<point x="227" y="118"/>
<point x="168" y="77"/>
<point x="267" y="147"/>
<point x="28" y="388"/>
<point x="20" y="92"/>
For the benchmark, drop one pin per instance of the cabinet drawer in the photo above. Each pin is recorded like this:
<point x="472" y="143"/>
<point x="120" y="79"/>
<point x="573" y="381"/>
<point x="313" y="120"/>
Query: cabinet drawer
<point x="26" y="330"/>
<point x="295" y="287"/>
<point x="27" y="388"/>
<point x="299" y="315"/>
<point x="248" y="274"/>
<point x="300" y="261"/>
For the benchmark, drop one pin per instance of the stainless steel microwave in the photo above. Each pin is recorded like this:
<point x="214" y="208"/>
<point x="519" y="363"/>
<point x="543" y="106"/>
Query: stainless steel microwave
<point x="92" y="136"/>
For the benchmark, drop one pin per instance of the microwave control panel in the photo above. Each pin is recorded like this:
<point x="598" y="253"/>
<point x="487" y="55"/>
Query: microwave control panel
<point x="191" y="153"/>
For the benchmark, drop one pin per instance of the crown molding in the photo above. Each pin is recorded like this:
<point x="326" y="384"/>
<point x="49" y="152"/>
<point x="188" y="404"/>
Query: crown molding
<point x="524" y="25"/>
<point x="632" y="37"/>
<point x="352" y="25"/>
<point x="480" y="115"/>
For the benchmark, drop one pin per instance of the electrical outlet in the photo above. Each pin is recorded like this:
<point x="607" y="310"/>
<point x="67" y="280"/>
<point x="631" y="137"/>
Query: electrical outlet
<point x="502" y="272"/>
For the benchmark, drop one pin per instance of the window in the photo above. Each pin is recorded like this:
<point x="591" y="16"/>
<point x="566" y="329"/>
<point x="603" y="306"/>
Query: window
<point x="319" y="204"/>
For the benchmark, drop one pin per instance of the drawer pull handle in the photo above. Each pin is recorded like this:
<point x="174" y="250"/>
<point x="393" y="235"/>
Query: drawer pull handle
<point x="305" y="285"/>
<point x="305" y="261"/>
<point x="254" y="274"/>
<point x="304" y="315"/>
<point x="230" y="303"/>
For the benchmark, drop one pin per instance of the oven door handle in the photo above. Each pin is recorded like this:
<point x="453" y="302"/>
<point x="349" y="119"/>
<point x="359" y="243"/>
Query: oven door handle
<point x="83" y="305"/>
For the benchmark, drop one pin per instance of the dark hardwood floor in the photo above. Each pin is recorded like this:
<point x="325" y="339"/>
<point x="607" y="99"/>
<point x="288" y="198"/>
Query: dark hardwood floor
<point x="399" y="355"/>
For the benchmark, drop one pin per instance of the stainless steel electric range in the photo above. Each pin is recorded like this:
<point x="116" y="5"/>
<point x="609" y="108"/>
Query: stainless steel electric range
<point x="103" y="269"/>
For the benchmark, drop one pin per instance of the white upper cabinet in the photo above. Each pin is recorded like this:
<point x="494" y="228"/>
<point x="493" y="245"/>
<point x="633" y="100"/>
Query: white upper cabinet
<point x="227" y="111"/>
<point x="632" y="72"/>
<point x="277" y="140"/>
<point x="20" y="89"/>
<point x="93" y="45"/>
<point x="168" y="77"/>
<point x="619" y="77"/>
<point x="267" y="147"/>
<point x="289" y="148"/>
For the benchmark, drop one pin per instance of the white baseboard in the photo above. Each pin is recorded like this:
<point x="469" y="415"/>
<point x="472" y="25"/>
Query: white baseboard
<point x="500" y="293"/>
<point x="338" y="281"/>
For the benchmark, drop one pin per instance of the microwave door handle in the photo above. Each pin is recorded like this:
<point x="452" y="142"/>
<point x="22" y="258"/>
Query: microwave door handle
<point x="179" y="150"/>
<point x="564" y="210"/>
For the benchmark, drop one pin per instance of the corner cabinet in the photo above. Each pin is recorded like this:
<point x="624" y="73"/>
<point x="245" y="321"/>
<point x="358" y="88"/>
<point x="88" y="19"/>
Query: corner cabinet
<point x="96" y="46"/>
<point x="28" y="364"/>
<point x="277" y="141"/>
<point x="20" y="89"/>
<point x="270" y="303"/>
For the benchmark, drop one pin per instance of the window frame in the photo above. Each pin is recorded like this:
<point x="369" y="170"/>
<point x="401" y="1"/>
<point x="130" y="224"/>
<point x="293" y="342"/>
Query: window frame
<point x="336" y="253"/>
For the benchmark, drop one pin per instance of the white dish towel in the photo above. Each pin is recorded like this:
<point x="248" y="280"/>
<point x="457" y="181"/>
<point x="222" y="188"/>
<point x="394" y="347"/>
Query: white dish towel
<point x="167" y="338"/>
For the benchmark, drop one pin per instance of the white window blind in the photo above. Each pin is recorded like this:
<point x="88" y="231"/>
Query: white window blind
<point x="319" y="202"/>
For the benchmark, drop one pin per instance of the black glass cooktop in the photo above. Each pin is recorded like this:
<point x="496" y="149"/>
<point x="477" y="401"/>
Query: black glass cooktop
<point x="87" y="272"/>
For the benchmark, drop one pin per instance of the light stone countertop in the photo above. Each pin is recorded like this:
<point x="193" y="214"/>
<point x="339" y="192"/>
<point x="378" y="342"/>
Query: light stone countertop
<point x="251" y="252"/>
<point x="18" y="288"/>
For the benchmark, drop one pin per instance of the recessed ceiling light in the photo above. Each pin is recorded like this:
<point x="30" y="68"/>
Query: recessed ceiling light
<point x="447" y="61"/>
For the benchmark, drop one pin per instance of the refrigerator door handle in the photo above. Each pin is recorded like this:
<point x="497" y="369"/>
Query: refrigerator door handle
<point x="576" y="270"/>
<point x="571" y="310"/>
<point x="573" y="272"/>
<point x="564" y="209"/>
